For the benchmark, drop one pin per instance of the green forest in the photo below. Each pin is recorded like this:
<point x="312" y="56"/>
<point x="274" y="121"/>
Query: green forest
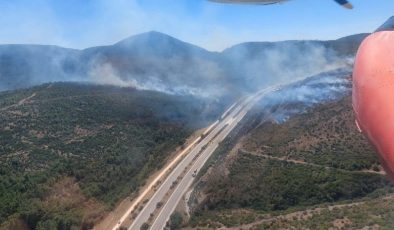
<point x="69" y="152"/>
<point x="314" y="158"/>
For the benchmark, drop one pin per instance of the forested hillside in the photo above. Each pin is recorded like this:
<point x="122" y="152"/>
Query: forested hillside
<point x="69" y="152"/>
<point x="271" y="169"/>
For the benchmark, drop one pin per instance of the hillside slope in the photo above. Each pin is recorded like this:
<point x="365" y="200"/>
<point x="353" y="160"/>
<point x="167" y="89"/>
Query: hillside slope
<point x="269" y="168"/>
<point x="69" y="152"/>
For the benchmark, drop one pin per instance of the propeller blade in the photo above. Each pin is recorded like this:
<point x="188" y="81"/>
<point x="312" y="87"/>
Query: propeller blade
<point x="345" y="4"/>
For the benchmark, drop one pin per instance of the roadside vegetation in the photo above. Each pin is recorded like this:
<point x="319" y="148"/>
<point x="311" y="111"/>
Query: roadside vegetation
<point x="326" y="135"/>
<point x="314" y="159"/>
<point x="375" y="213"/>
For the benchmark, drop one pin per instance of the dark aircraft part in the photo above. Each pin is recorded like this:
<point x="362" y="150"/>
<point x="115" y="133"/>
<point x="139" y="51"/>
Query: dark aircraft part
<point x="260" y="2"/>
<point x="373" y="92"/>
<point x="344" y="3"/>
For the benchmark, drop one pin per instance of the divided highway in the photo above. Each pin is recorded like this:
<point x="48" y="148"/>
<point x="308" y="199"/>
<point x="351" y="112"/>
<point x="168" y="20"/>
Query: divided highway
<point x="171" y="190"/>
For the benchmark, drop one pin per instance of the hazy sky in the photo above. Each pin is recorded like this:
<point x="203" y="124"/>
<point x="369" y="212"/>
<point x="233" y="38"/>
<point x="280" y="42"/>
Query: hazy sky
<point x="85" y="23"/>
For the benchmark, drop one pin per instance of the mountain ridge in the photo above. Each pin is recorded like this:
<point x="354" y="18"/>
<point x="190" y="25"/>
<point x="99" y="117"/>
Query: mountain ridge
<point x="154" y="32"/>
<point x="157" y="61"/>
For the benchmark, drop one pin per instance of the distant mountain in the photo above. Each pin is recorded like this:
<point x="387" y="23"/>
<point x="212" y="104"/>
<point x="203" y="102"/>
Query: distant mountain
<point x="27" y="65"/>
<point x="346" y="45"/>
<point x="160" y="62"/>
<point x="343" y="46"/>
<point x="265" y="63"/>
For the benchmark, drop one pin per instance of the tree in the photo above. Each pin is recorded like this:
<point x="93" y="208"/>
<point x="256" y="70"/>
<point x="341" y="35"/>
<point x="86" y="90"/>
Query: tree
<point x="144" y="226"/>
<point x="176" y="221"/>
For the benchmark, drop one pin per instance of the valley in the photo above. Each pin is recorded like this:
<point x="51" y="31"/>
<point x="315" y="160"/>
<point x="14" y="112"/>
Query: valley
<point x="196" y="115"/>
<point x="113" y="137"/>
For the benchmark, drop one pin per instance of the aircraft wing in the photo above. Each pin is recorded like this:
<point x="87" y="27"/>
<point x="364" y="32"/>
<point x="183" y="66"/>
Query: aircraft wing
<point x="344" y="3"/>
<point x="259" y="2"/>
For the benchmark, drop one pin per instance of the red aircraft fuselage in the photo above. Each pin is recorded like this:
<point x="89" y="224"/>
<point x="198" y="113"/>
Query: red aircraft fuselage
<point x="373" y="94"/>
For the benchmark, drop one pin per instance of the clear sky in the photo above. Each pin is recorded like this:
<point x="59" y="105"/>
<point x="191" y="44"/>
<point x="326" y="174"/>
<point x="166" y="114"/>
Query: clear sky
<point x="85" y="23"/>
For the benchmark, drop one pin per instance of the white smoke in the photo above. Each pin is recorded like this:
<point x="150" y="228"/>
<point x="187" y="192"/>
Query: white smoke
<point x="265" y="64"/>
<point x="297" y="98"/>
<point x="105" y="74"/>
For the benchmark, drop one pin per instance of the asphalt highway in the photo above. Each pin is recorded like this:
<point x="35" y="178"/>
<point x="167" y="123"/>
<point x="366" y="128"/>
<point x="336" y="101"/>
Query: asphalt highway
<point x="177" y="183"/>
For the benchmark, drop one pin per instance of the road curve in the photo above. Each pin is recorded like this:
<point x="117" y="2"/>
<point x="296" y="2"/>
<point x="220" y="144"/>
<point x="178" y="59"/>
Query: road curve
<point x="231" y="122"/>
<point x="197" y="157"/>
